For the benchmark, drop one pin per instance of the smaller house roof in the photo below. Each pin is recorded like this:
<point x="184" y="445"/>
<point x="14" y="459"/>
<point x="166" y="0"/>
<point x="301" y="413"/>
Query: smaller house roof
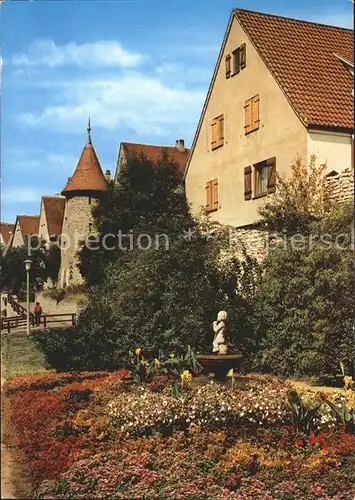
<point x="154" y="153"/>
<point x="88" y="175"/>
<point x="54" y="212"/>
<point x="6" y="230"/>
<point x="29" y="224"/>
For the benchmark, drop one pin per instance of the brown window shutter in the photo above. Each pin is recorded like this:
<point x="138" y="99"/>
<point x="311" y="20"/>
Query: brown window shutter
<point x="255" y="112"/>
<point x="271" y="175"/>
<point x="209" y="196"/>
<point x="215" y="194"/>
<point x="243" y="56"/>
<point x="247" y="183"/>
<point x="221" y="130"/>
<point x="248" y="116"/>
<point x="228" y="65"/>
<point x="214" y="142"/>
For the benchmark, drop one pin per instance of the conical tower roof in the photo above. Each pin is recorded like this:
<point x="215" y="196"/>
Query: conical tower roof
<point x="88" y="175"/>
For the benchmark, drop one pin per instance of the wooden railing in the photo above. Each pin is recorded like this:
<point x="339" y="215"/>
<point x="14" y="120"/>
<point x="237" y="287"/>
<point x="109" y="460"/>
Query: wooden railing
<point x="63" y="317"/>
<point x="19" y="309"/>
<point x="21" y="320"/>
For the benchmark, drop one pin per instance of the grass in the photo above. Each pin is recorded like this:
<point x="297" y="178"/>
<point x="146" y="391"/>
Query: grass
<point x="19" y="356"/>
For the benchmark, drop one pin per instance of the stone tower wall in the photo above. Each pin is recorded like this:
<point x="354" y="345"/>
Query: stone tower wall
<point x="77" y="225"/>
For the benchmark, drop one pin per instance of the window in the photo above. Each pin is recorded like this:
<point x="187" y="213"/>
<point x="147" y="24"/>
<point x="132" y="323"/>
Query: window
<point x="239" y="59"/>
<point x="90" y="227"/>
<point x="251" y="114"/>
<point x="236" y="61"/>
<point x="243" y="56"/>
<point x="212" y="195"/>
<point x="217" y="132"/>
<point x="265" y="177"/>
<point x="89" y="200"/>
<point x="228" y="66"/>
<point x="247" y="183"/>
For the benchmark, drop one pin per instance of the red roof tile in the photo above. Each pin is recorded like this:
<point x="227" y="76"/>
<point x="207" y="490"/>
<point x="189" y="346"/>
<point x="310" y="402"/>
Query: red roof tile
<point x="88" y="175"/>
<point x="6" y="230"/>
<point x="29" y="224"/>
<point x="54" y="210"/>
<point x="154" y="153"/>
<point x="301" y="57"/>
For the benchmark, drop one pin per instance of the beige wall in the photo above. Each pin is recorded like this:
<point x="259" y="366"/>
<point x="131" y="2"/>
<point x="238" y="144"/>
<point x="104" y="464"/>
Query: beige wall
<point x="280" y="134"/>
<point x="330" y="147"/>
<point x="77" y="217"/>
<point x="17" y="240"/>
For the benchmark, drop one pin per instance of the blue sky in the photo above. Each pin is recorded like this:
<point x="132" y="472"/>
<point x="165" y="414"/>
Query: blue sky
<point x="140" y="69"/>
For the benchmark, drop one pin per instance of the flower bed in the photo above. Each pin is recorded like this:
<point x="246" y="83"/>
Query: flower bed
<point x="107" y="436"/>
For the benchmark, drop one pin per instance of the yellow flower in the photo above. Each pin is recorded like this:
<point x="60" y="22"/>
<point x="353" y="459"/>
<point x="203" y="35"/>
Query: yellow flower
<point x="230" y="373"/>
<point x="186" y="376"/>
<point x="157" y="362"/>
<point x="171" y="355"/>
<point x="350" y="399"/>
<point x="144" y="362"/>
<point x="138" y="351"/>
<point x="348" y="381"/>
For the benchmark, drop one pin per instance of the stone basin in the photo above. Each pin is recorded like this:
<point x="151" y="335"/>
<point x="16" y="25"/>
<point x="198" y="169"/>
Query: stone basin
<point x="220" y="364"/>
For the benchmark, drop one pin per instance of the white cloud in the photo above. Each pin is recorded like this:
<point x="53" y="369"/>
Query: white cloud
<point x="22" y="194"/>
<point x="44" y="52"/>
<point x="140" y="102"/>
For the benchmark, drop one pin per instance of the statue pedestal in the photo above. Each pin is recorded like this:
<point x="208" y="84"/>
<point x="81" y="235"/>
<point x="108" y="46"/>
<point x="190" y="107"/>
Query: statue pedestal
<point x="220" y="364"/>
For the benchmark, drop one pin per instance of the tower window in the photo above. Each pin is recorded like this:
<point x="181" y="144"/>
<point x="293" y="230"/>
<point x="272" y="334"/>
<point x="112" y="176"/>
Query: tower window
<point x="89" y="200"/>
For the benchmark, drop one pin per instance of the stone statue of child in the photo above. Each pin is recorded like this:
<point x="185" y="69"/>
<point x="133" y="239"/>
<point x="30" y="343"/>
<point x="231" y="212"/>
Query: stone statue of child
<point x="220" y="337"/>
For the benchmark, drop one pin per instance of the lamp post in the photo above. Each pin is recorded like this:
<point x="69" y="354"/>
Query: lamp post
<point x="28" y="267"/>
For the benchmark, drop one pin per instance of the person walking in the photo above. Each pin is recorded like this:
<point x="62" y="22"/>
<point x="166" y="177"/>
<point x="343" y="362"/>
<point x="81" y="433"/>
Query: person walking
<point x="38" y="313"/>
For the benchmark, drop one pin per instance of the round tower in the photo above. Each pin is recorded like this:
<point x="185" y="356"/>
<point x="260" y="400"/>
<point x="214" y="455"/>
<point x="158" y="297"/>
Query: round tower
<point x="82" y="192"/>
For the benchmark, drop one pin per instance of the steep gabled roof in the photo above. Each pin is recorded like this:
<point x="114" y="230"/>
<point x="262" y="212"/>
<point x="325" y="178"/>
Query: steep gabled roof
<point x="29" y="224"/>
<point x="302" y="57"/>
<point x="54" y="211"/>
<point x="155" y="153"/>
<point x="88" y="175"/>
<point x="6" y="230"/>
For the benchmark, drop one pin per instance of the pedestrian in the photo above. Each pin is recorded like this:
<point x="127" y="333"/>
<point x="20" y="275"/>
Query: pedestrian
<point x="38" y="313"/>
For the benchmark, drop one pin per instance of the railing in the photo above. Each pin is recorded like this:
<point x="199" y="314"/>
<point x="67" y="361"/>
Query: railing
<point x="21" y="320"/>
<point x="64" y="317"/>
<point x="19" y="309"/>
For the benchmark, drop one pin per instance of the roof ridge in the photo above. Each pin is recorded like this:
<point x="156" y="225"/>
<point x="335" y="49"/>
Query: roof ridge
<point x="151" y="145"/>
<point x="235" y="11"/>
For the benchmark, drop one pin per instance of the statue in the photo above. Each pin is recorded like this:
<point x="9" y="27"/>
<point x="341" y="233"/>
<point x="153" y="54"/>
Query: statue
<point x="220" y="338"/>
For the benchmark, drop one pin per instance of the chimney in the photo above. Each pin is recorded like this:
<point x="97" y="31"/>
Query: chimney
<point x="180" y="145"/>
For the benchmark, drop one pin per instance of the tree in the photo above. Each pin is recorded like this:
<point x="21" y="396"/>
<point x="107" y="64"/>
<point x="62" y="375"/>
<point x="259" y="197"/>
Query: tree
<point x="147" y="198"/>
<point x="298" y="201"/>
<point x="159" y="297"/>
<point x="13" y="274"/>
<point x="305" y="310"/>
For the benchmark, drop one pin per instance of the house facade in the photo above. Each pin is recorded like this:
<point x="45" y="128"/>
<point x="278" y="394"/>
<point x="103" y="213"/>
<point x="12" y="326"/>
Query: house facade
<point x="51" y="218"/>
<point x="6" y="233"/>
<point x="25" y="225"/>
<point x="280" y="90"/>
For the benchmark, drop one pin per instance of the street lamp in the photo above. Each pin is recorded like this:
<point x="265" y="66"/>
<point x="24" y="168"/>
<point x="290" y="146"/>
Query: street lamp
<point x="28" y="267"/>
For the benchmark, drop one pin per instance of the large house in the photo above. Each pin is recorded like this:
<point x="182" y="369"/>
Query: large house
<point x="281" y="88"/>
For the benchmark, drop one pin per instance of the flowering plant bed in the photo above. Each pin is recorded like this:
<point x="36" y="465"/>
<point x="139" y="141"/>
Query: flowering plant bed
<point x="109" y="436"/>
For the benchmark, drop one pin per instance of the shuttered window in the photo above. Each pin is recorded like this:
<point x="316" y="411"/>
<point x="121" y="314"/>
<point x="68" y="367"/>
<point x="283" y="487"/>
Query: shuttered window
<point x="265" y="177"/>
<point x="247" y="183"/>
<point x="252" y="119"/>
<point x="243" y="56"/>
<point x="228" y="66"/>
<point x="271" y="175"/>
<point x="212" y="202"/>
<point x="217" y="132"/>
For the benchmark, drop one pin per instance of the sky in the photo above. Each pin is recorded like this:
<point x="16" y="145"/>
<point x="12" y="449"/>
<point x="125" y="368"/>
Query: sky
<point x="139" y="69"/>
